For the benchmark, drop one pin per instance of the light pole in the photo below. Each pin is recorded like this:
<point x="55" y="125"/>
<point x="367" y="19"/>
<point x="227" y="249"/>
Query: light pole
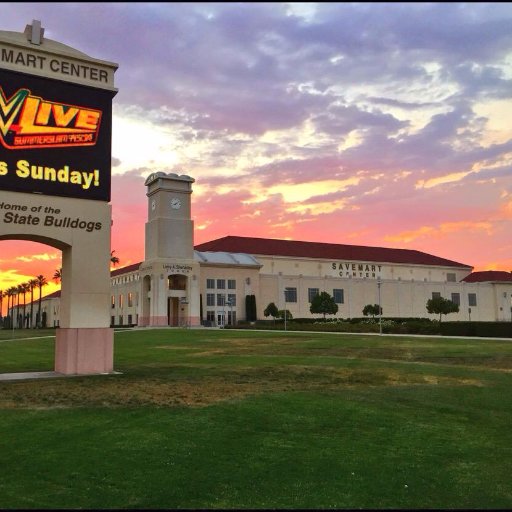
<point x="230" y="304"/>
<point x="285" y="290"/>
<point x="285" y="300"/>
<point x="380" y="309"/>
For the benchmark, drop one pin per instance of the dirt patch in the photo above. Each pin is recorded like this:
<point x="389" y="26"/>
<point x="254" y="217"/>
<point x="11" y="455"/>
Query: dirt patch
<point x="196" y="390"/>
<point x="212" y="352"/>
<point x="172" y="347"/>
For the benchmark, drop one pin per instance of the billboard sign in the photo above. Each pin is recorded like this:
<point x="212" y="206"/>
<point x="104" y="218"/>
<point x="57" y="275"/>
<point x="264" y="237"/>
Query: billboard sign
<point x="55" y="137"/>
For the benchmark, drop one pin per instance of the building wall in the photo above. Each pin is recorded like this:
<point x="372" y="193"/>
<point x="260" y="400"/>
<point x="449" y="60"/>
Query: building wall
<point x="273" y="265"/>
<point x="398" y="298"/>
<point x="124" y="299"/>
<point x="246" y="282"/>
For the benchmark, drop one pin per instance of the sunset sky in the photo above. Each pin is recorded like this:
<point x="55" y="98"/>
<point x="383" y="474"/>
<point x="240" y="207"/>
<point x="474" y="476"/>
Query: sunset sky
<point x="378" y="124"/>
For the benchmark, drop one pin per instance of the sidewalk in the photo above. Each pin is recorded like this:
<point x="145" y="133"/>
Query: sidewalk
<point x="29" y="375"/>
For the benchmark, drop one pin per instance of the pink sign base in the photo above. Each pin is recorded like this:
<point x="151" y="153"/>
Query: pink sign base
<point x="84" y="351"/>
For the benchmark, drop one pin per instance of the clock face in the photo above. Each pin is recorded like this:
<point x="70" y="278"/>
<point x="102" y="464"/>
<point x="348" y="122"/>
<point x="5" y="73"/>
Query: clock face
<point x="153" y="205"/>
<point x="175" y="203"/>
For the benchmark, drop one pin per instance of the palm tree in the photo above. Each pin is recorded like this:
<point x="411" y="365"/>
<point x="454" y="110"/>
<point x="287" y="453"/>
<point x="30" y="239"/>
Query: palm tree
<point x="11" y="294"/>
<point x="19" y="291"/>
<point x="57" y="277"/>
<point x="3" y="294"/>
<point x="25" y="287"/>
<point x="32" y="283"/>
<point x="41" y="281"/>
<point x="113" y="259"/>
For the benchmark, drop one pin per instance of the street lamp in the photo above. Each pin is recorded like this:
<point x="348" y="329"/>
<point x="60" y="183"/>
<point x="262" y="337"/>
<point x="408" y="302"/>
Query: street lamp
<point x="379" y="282"/>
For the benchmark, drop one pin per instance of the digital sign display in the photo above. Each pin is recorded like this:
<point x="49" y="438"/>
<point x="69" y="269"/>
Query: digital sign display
<point x="55" y="137"/>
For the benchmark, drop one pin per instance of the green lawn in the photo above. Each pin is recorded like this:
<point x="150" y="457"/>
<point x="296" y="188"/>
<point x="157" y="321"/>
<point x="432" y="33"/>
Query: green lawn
<point x="245" y="419"/>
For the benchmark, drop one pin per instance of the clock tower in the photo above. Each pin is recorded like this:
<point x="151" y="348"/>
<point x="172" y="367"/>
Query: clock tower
<point x="170" y="229"/>
<point x="169" y="287"/>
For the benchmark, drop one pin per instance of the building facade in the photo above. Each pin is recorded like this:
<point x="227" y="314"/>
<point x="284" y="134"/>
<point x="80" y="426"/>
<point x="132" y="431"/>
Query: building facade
<point x="179" y="284"/>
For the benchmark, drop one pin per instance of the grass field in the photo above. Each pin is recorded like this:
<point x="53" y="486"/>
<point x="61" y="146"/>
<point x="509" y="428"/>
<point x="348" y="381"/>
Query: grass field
<point x="244" y="419"/>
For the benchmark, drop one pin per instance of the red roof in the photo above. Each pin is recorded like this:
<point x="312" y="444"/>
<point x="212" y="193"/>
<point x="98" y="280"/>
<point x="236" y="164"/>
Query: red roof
<point x="487" y="276"/>
<point x="294" y="249"/>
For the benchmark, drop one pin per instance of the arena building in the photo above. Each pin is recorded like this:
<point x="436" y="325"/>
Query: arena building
<point x="179" y="284"/>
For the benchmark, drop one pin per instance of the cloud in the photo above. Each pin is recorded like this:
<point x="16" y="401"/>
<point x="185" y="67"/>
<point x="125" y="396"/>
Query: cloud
<point x="40" y="257"/>
<point x="329" y="121"/>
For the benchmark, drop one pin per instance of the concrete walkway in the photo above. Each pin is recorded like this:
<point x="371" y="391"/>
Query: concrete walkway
<point x="47" y="375"/>
<point x="29" y="375"/>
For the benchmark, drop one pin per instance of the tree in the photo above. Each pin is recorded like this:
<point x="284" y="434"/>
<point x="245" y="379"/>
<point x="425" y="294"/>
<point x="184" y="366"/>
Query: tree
<point x="250" y="308"/>
<point x="25" y="287"/>
<point x="19" y="317"/>
<point x="113" y="259"/>
<point x="441" y="306"/>
<point x="33" y="284"/>
<point x="41" y="281"/>
<point x="323" y="303"/>
<point x="57" y="276"/>
<point x="372" y="309"/>
<point x="281" y="313"/>
<point x="271" y="310"/>
<point x="11" y="300"/>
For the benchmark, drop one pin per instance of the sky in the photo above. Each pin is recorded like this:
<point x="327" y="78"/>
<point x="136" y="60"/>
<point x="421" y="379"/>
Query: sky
<point x="376" y="124"/>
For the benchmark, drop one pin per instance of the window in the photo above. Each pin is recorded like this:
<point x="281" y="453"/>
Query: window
<point x="210" y="284"/>
<point x="221" y="284"/>
<point x="232" y="299"/>
<point x="129" y="319"/>
<point x="450" y="278"/>
<point x="290" y="294"/>
<point x="338" y="296"/>
<point x="210" y="316"/>
<point x="112" y="320"/>
<point x="312" y="293"/>
<point x="220" y="299"/>
<point x="472" y="299"/>
<point x="120" y="300"/>
<point x="177" y="282"/>
<point x="120" y="319"/>
<point x="436" y="295"/>
<point x="231" y="284"/>
<point x="113" y="301"/>
<point x="456" y="298"/>
<point x="130" y="301"/>
<point x="210" y="299"/>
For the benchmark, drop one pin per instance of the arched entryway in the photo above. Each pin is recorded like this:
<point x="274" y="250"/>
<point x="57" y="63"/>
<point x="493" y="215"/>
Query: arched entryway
<point x="84" y="341"/>
<point x="27" y="274"/>
<point x="177" y="303"/>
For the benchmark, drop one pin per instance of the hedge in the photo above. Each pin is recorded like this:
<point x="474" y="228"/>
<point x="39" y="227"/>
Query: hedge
<point x="482" y="329"/>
